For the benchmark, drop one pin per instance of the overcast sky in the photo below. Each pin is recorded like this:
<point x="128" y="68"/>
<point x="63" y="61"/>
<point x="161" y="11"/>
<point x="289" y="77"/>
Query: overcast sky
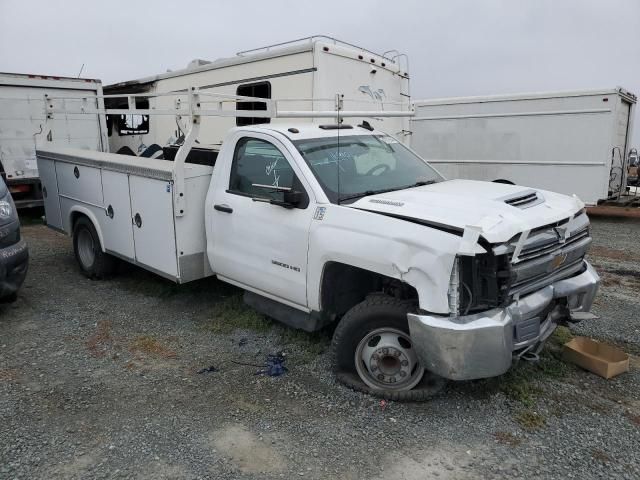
<point x="456" y="48"/>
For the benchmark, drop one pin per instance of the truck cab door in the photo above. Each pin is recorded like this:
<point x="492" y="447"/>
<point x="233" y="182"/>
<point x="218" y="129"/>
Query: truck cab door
<point x="258" y="245"/>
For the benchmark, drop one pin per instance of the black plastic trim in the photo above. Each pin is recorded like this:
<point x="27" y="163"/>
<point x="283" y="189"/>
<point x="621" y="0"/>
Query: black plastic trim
<point x="437" y="226"/>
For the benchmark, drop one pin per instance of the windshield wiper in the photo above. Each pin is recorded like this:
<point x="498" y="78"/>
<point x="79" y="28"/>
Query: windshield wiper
<point x="421" y="183"/>
<point x="368" y="193"/>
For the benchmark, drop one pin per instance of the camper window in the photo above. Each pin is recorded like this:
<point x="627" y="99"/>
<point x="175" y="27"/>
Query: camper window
<point x="260" y="90"/>
<point x="129" y="124"/>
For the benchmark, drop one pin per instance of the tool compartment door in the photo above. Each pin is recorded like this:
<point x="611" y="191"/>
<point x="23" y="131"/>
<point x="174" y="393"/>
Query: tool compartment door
<point x="117" y="232"/>
<point x="154" y="224"/>
<point x="80" y="182"/>
<point x="50" y="193"/>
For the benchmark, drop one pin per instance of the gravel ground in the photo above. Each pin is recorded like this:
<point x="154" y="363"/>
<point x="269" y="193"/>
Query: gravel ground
<point x="100" y="380"/>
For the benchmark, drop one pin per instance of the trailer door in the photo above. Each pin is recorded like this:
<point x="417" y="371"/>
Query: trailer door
<point x="22" y="118"/>
<point x="618" y="176"/>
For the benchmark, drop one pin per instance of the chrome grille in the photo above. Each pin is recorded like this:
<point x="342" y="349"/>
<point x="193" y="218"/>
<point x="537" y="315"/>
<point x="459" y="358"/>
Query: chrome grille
<point x="550" y="253"/>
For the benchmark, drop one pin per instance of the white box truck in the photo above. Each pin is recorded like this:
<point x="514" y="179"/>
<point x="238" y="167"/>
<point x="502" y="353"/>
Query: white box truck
<point x="22" y="118"/>
<point x="338" y="223"/>
<point x="567" y="142"/>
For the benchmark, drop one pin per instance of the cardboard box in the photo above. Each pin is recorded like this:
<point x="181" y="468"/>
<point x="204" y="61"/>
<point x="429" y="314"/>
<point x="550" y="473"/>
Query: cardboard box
<point x="599" y="358"/>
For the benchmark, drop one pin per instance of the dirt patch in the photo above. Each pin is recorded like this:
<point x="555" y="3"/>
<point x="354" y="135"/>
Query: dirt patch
<point x="530" y="420"/>
<point x="601" y="456"/>
<point x="8" y="374"/>
<point x="609" y="280"/>
<point x="507" y="438"/>
<point x="635" y="419"/>
<point x="98" y="343"/>
<point x="442" y="463"/>
<point x="613" y="254"/>
<point x="247" y="451"/>
<point x="150" y="346"/>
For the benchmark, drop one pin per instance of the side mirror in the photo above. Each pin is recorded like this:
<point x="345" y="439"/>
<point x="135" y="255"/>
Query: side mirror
<point x="293" y="198"/>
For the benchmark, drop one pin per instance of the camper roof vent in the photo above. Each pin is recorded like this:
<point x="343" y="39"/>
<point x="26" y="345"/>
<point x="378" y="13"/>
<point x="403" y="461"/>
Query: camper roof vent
<point x="198" y="62"/>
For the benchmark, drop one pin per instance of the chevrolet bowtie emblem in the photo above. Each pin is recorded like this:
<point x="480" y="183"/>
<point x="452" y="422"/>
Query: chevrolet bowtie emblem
<point x="559" y="260"/>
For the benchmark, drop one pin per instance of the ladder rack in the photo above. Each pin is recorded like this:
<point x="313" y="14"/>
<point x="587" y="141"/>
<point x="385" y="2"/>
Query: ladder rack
<point x="198" y="104"/>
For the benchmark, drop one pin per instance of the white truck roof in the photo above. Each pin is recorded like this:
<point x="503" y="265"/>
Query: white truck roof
<point x="529" y="96"/>
<point x="48" y="81"/>
<point x="306" y="131"/>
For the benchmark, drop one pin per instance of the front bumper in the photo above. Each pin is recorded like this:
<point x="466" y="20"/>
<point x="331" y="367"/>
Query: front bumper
<point x="483" y="345"/>
<point x="13" y="268"/>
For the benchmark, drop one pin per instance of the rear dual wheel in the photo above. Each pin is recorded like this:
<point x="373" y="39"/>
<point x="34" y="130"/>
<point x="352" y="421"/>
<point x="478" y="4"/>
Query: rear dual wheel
<point x="93" y="262"/>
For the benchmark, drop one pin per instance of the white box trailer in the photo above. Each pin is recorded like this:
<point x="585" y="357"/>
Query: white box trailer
<point x="567" y="142"/>
<point x="302" y="75"/>
<point x="22" y="118"/>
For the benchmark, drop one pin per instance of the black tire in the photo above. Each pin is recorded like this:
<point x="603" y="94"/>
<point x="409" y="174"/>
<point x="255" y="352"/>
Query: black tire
<point x="93" y="262"/>
<point x="377" y="311"/>
<point x="9" y="298"/>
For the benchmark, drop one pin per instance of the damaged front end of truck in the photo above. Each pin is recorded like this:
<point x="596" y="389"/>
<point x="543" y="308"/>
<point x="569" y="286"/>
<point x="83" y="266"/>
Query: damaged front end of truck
<point x="506" y="302"/>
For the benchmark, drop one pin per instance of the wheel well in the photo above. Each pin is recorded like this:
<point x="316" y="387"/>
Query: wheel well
<point x="502" y="180"/>
<point x="75" y="216"/>
<point x="344" y="286"/>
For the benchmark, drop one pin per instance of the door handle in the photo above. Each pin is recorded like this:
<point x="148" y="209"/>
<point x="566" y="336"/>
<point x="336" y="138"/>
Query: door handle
<point x="223" y="208"/>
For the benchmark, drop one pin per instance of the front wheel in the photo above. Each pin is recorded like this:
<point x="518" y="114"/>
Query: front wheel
<point x="373" y="351"/>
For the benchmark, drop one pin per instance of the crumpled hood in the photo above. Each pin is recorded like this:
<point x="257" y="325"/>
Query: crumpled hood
<point x="469" y="203"/>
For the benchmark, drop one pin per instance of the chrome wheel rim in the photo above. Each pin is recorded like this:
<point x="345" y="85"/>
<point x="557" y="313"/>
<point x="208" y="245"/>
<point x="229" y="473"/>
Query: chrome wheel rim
<point x="86" y="250"/>
<point x="386" y="360"/>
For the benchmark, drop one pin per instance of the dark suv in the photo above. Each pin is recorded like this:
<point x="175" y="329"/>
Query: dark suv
<point x="14" y="255"/>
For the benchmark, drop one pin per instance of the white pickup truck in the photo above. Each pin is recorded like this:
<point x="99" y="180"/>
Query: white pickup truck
<point x="338" y="223"/>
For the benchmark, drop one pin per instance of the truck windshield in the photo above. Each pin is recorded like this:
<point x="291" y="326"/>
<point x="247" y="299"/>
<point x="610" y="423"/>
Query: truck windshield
<point x="351" y="167"/>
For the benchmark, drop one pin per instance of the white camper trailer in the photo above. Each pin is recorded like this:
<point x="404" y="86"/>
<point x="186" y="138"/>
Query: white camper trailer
<point x="304" y="74"/>
<point x="567" y="142"/>
<point x="22" y="117"/>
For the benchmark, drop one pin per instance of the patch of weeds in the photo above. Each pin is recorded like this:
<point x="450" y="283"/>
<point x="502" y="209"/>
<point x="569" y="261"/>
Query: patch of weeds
<point x="530" y="420"/>
<point x="551" y="365"/>
<point x="231" y="313"/>
<point x="517" y="384"/>
<point x="561" y="335"/>
<point x="310" y="344"/>
<point x="523" y="383"/>
<point x="599" y="455"/>
<point x="507" y="438"/>
<point x="150" y="346"/>
<point x="98" y="343"/>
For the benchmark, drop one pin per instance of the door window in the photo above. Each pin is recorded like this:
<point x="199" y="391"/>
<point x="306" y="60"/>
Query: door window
<point x="258" y="162"/>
